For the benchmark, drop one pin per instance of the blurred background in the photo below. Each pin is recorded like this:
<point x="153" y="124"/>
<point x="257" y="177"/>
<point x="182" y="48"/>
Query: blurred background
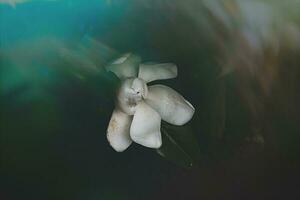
<point x="238" y="63"/>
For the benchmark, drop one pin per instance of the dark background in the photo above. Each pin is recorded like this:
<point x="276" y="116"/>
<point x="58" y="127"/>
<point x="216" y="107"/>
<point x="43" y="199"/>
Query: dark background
<point x="53" y="121"/>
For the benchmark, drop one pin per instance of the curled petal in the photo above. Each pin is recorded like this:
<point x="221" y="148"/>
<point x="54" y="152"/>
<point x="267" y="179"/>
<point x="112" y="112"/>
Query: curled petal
<point x="140" y="87"/>
<point x="145" y="127"/>
<point x="118" y="130"/>
<point x="127" y="97"/>
<point x="171" y="106"/>
<point x="152" y="72"/>
<point x="126" y="66"/>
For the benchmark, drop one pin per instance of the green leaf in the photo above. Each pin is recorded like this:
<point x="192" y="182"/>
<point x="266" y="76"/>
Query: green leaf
<point x="179" y="145"/>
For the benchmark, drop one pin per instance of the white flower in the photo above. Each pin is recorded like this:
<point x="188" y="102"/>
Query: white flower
<point x="140" y="108"/>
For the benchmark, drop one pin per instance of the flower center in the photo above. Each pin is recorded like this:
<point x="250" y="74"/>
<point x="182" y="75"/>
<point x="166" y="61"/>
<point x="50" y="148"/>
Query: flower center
<point x="131" y="92"/>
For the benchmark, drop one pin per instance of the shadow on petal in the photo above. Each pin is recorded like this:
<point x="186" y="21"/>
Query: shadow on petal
<point x="145" y="127"/>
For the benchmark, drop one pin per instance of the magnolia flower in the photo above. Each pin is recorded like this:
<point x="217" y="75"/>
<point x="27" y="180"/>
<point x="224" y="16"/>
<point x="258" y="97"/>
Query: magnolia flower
<point x="140" y="108"/>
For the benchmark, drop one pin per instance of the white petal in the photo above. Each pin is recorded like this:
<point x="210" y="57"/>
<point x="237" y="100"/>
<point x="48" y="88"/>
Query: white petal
<point x="145" y="127"/>
<point x="130" y="93"/>
<point x="140" y="87"/>
<point x="152" y="72"/>
<point x="171" y="106"/>
<point x="126" y="66"/>
<point x="122" y="59"/>
<point x="118" y="130"/>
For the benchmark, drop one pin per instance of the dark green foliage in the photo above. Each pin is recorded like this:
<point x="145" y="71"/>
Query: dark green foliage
<point x="179" y="145"/>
